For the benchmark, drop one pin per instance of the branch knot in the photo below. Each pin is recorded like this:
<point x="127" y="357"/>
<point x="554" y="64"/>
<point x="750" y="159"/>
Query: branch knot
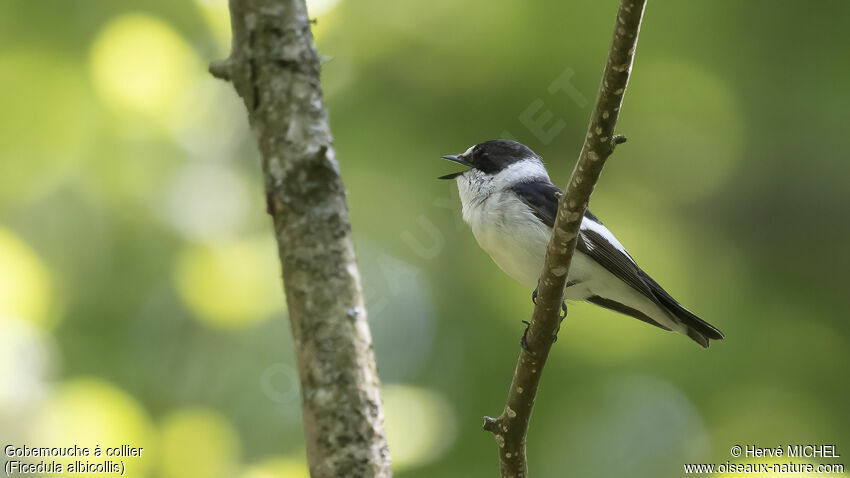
<point x="617" y="140"/>
<point x="222" y="69"/>
<point x="491" y="424"/>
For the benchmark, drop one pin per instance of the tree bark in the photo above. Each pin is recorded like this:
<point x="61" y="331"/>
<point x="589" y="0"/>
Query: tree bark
<point x="275" y="68"/>
<point x="511" y="427"/>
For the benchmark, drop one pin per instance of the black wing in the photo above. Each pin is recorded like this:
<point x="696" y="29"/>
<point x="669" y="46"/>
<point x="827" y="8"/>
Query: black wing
<point x="621" y="264"/>
<point x="617" y="261"/>
<point x="542" y="198"/>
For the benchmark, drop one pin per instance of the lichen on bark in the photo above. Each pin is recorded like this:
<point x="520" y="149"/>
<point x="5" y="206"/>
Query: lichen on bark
<point x="275" y="68"/>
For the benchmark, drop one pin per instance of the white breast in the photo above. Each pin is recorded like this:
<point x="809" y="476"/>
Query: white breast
<point x="502" y="224"/>
<point x="507" y="230"/>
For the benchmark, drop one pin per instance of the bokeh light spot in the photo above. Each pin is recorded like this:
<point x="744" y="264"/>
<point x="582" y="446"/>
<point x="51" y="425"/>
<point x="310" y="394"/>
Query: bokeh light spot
<point x="207" y="201"/>
<point x="90" y="412"/>
<point x="770" y="414"/>
<point x="50" y="120"/>
<point x="278" y="468"/>
<point x="696" y="133"/>
<point x="25" y="359"/>
<point x="625" y="426"/>
<point x="25" y="285"/>
<point x="401" y="314"/>
<point x="231" y="285"/>
<point x="198" y="442"/>
<point x="320" y="7"/>
<point x="140" y="64"/>
<point x="419" y="423"/>
<point x="217" y="15"/>
<point x="603" y="336"/>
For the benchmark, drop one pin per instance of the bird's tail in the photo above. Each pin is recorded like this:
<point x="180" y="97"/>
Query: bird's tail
<point x="698" y="330"/>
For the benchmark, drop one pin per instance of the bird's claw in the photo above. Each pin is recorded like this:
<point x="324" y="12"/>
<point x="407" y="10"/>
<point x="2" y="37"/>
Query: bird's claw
<point x="534" y="296"/>
<point x="523" y="342"/>
<point x="562" y="316"/>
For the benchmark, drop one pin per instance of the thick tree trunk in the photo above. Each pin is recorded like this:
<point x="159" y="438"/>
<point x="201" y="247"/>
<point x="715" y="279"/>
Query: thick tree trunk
<point x="275" y="69"/>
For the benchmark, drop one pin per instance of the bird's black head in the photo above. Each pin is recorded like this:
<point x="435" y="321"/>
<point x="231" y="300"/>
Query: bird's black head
<point x="491" y="157"/>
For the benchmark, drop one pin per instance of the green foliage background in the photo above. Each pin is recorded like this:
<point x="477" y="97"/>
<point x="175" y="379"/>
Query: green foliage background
<point x="139" y="300"/>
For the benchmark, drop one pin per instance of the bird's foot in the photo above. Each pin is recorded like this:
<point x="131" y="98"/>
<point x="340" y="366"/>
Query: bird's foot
<point x="534" y="296"/>
<point x="561" y="317"/>
<point x="522" y="342"/>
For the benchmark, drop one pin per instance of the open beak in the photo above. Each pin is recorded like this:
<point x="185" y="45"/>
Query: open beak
<point x="459" y="160"/>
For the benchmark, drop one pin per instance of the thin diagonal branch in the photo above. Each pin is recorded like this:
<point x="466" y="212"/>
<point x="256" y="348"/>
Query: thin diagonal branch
<point x="511" y="427"/>
<point x="275" y="69"/>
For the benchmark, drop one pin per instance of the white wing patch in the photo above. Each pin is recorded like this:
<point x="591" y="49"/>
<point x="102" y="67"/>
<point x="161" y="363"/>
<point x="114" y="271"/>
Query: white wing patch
<point x="606" y="234"/>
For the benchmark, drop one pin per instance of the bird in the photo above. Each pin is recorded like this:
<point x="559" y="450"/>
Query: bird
<point x="510" y="204"/>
